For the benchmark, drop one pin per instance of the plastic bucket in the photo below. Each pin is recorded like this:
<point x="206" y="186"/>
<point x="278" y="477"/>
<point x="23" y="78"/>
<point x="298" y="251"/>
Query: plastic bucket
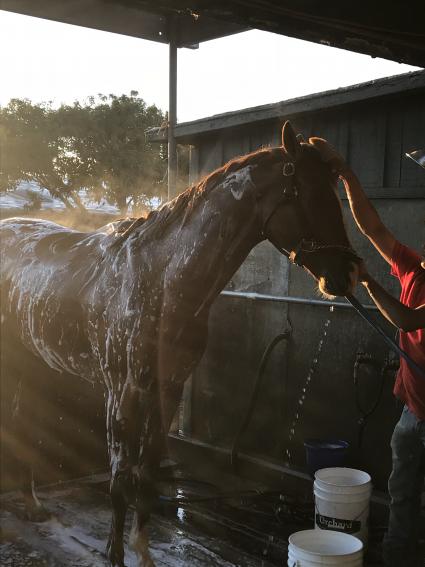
<point x="314" y="548"/>
<point x="342" y="498"/>
<point x="324" y="453"/>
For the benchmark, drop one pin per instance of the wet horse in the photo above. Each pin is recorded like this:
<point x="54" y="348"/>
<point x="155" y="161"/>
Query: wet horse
<point x="128" y="305"/>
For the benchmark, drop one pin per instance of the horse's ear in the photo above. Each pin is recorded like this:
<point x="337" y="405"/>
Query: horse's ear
<point x="290" y="143"/>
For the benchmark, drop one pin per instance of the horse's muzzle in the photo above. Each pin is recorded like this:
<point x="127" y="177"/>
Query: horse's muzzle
<point x="339" y="283"/>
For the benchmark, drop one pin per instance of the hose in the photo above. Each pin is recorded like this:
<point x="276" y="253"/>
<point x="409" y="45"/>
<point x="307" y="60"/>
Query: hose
<point x="366" y="359"/>
<point x="265" y="358"/>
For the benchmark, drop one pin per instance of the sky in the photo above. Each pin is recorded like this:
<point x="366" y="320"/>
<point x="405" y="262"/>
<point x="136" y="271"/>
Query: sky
<point x="48" y="61"/>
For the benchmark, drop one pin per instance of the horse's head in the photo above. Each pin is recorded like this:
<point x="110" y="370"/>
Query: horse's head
<point x="301" y="215"/>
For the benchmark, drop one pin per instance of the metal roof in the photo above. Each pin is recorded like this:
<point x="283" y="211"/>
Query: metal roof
<point x="128" y="17"/>
<point x="392" y="30"/>
<point x="188" y="132"/>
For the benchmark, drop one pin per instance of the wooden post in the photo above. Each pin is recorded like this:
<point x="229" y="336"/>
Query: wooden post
<point x="172" y="115"/>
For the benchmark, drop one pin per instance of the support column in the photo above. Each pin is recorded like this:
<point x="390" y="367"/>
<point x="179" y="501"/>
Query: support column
<point x="172" y="116"/>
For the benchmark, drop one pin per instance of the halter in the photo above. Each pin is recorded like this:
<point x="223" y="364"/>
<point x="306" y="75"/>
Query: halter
<point x="307" y="244"/>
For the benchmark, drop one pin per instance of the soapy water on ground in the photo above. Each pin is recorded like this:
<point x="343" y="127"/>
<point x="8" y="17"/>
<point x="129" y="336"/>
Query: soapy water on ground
<point x="77" y="532"/>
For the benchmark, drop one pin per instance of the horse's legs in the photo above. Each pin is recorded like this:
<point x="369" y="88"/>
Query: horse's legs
<point x="34" y="510"/>
<point x="121" y="483"/>
<point x="151" y="441"/>
<point x="115" y="546"/>
<point x="139" y="540"/>
<point x="23" y="427"/>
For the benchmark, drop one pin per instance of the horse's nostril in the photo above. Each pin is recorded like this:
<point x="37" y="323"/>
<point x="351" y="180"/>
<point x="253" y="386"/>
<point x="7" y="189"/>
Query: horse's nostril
<point x="330" y="280"/>
<point x="336" y="283"/>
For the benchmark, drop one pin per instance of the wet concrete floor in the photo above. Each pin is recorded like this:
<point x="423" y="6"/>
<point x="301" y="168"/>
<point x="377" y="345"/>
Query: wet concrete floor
<point x="196" y="524"/>
<point x="78" y="529"/>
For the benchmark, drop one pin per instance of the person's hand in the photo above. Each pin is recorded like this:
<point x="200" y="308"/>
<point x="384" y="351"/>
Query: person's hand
<point x="329" y="155"/>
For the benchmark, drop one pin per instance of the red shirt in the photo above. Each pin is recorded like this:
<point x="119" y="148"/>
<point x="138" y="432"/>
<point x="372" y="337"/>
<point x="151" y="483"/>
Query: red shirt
<point x="410" y="385"/>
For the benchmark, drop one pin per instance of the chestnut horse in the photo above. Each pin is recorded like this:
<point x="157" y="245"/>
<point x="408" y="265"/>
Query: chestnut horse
<point x="128" y="305"/>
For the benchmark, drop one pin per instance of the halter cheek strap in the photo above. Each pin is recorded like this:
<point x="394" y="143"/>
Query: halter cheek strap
<point x="290" y="192"/>
<point x="290" y="196"/>
<point x="307" y="244"/>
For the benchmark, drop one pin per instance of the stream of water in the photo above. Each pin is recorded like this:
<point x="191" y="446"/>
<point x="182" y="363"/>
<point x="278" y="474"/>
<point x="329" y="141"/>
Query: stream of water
<point x="306" y="386"/>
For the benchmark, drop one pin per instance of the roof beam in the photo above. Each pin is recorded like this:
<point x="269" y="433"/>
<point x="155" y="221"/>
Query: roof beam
<point x="126" y="17"/>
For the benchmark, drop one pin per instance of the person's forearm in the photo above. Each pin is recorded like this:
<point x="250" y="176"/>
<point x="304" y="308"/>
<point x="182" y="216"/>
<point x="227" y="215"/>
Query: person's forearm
<point x="402" y="317"/>
<point x="364" y="212"/>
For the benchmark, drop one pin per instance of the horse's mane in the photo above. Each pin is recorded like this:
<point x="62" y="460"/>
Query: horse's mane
<point x="157" y="221"/>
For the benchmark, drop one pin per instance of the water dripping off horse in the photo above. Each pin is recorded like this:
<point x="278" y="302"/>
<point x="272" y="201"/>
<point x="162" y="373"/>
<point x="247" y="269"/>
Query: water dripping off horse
<point x="128" y="305"/>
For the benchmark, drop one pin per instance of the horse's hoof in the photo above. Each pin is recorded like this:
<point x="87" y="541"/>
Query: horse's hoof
<point x="37" y="513"/>
<point x="115" y="561"/>
<point x="115" y="556"/>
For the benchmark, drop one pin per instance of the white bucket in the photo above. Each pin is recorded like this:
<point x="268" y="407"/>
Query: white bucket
<point x="314" y="548"/>
<point x="342" y="498"/>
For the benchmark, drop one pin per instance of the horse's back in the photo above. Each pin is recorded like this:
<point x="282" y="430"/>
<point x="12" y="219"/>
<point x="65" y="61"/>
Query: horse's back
<point x="41" y="242"/>
<point x="42" y="267"/>
<point x="19" y="232"/>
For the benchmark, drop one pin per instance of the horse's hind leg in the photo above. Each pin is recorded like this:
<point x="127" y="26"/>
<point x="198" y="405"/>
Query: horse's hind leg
<point x="23" y="426"/>
<point x="34" y="510"/>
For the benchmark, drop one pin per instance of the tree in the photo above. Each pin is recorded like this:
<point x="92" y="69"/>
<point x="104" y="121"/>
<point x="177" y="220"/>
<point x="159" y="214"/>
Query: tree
<point x="127" y="166"/>
<point x="34" y="149"/>
<point x="99" y="145"/>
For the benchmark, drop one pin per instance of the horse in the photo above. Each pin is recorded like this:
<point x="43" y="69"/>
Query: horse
<point x="127" y="305"/>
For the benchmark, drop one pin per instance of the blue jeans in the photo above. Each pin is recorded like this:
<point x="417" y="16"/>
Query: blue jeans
<point x="405" y="487"/>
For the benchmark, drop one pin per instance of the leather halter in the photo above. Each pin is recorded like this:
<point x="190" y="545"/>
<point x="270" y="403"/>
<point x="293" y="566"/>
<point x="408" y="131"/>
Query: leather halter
<point x="307" y="244"/>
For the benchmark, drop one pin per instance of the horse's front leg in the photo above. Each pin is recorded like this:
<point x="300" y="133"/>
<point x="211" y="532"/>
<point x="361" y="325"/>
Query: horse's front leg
<point x="121" y="487"/>
<point x="139" y="539"/>
<point x="115" y="546"/>
<point x="145" y="475"/>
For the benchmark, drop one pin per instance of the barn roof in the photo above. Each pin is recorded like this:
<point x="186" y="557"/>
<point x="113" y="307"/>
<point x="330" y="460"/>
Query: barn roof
<point x="186" y="132"/>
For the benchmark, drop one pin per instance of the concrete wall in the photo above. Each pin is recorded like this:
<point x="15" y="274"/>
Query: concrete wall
<point x="373" y="132"/>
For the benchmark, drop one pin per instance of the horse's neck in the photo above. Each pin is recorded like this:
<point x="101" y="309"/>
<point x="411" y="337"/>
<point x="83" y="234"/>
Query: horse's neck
<point x="203" y="246"/>
<point x="216" y="238"/>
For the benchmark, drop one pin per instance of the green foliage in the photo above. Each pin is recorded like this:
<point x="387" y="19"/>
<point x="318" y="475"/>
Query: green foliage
<point x="99" y="145"/>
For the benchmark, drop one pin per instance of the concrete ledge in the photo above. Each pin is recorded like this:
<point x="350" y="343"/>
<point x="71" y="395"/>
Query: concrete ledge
<point x="267" y="471"/>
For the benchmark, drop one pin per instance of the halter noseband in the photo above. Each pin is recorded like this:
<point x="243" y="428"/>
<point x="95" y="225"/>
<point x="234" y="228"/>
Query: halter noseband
<point x="306" y="245"/>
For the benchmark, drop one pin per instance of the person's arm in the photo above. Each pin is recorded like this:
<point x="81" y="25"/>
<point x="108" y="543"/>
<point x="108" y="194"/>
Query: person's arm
<point x="403" y="317"/>
<point x="363" y="211"/>
<point x="365" y="215"/>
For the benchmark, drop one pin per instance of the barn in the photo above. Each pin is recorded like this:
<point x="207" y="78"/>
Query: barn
<point x="239" y="440"/>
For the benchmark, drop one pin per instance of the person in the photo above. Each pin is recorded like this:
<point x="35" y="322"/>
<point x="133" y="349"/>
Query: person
<point x="400" y="545"/>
